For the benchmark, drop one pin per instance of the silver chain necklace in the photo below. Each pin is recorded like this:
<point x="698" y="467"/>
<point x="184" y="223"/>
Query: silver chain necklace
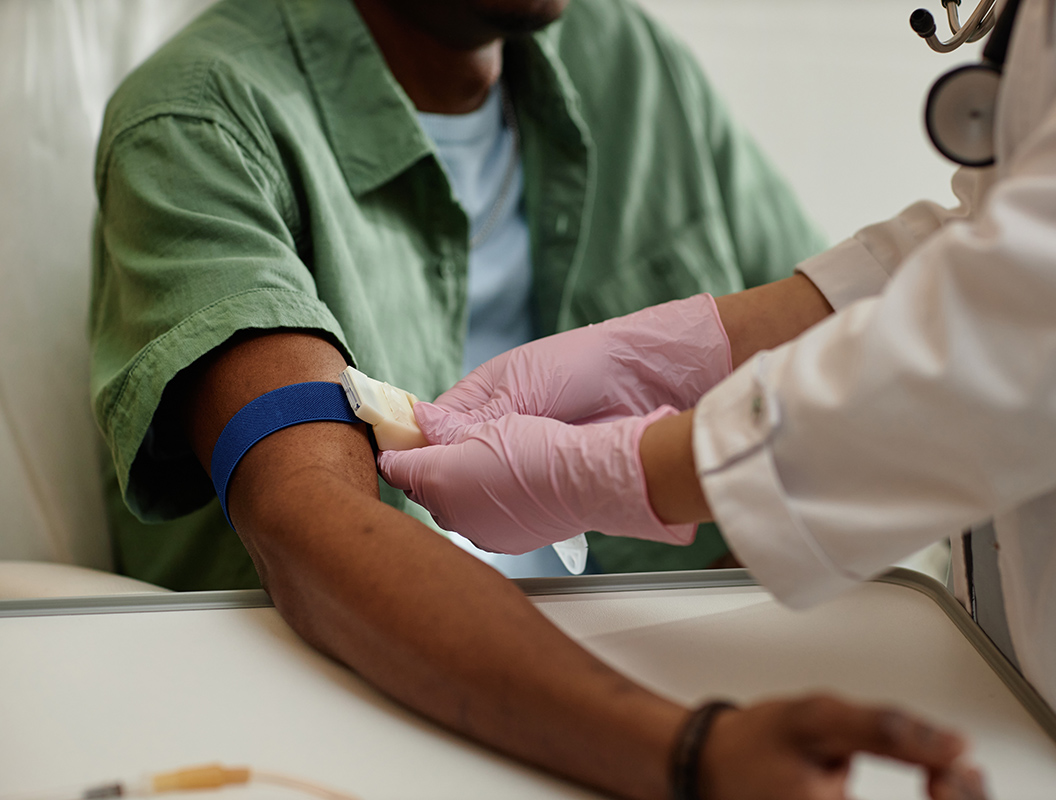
<point x="510" y="118"/>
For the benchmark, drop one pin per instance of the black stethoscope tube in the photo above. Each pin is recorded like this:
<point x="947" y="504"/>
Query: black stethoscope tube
<point x="997" y="45"/>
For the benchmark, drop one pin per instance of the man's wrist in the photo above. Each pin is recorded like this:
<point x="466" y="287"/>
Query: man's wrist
<point x="689" y="776"/>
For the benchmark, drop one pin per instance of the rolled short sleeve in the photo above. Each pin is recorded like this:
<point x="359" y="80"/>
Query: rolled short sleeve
<point x="196" y="240"/>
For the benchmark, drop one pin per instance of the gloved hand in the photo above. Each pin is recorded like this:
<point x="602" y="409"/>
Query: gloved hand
<point x="667" y="354"/>
<point x="518" y="483"/>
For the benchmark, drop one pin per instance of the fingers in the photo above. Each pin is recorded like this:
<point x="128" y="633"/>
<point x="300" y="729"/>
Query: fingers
<point x="834" y="729"/>
<point x="466" y="395"/>
<point x="439" y="425"/>
<point x="959" y="783"/>
<point x="409" y="471"/>
<point x="476" y="389"/>
<point x="399" y="467"/>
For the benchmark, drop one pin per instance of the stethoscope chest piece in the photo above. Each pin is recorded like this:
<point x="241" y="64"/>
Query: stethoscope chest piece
<point x="960" y="114"/>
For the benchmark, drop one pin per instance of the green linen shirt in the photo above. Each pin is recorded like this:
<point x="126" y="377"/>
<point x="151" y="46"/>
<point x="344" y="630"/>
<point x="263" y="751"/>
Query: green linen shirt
<point x="264" y="170"/>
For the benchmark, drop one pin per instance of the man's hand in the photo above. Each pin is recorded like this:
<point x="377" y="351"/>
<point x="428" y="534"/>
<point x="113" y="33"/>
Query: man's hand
<point x="802" y="750"/>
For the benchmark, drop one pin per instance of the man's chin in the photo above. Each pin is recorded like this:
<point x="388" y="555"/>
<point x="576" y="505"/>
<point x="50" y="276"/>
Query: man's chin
<point x="528" y="18"/>
<point x="469" y="24"/>
<point x="510" y="24"/>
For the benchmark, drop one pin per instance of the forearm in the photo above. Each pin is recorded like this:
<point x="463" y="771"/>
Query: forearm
<point x="766" y="316"/>
<point x="416" y="616"/>
<point x="445" y="634"/>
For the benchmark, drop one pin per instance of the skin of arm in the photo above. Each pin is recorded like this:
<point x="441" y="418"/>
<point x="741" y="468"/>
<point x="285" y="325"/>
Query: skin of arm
<point x="430" y="625"/>
<point x="770" y="315"/>
<point x="446" y="635"/>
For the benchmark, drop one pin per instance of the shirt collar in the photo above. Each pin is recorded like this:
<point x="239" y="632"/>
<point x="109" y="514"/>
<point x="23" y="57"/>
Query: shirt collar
<point x="368" y="118"/>
<point x="543" y="89"/>
<point x="370" y="122"/>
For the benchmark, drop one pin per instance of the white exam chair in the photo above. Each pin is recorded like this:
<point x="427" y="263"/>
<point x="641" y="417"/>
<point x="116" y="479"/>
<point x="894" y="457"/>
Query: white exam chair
<point x="59" y="62"/>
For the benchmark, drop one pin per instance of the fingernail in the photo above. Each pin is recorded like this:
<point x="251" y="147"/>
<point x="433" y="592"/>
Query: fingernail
<point x="902" y="726"/>
<point x="977" y="784"/>
<point x="969" y="784"/>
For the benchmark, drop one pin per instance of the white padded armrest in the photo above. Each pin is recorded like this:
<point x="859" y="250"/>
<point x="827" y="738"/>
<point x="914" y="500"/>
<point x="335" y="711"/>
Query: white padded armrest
<point x="59" y="62"/>
<point x="23" y="580"/>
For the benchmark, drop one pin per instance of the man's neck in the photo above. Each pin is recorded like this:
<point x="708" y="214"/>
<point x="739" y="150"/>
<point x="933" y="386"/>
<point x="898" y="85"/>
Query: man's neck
<point x="439" y="78"/>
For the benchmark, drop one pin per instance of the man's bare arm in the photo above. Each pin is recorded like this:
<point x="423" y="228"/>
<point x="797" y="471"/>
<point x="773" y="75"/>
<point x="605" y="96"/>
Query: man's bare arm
<point x="445" y="634"/>
<point x="419" y="618"/>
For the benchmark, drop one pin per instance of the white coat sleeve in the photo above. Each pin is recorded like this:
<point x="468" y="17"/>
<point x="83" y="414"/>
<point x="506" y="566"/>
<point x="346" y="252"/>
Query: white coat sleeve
<point x="907" y="416"/>
<point x="861" y="266"/>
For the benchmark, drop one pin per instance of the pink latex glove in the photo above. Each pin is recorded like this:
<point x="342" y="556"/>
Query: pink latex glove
<point x="519" y="483"/>
<point x="667" y="354"/>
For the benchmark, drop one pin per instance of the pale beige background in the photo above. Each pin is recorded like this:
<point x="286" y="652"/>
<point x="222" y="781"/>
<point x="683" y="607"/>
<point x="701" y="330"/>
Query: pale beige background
<point x="834" y="91"/>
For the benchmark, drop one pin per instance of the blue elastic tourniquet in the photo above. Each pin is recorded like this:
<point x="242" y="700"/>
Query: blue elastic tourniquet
<point x="271" y="412"/>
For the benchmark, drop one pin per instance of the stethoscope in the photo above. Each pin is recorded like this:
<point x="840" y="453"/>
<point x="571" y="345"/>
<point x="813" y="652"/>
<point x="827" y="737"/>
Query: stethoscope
<point x="960" y="111"/>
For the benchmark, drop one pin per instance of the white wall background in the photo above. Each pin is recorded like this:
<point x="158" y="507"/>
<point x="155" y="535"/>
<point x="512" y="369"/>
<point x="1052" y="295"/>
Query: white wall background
<point x="59" y="62"/>
<point x="834" y="92"/>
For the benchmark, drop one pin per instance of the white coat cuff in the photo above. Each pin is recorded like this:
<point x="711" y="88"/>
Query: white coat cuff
<point x="732" y="428"/>
<point x="845" y="273"/>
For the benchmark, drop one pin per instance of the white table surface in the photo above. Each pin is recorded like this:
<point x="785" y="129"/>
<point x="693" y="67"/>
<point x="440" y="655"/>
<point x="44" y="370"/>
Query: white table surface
<point x="90" y="698"/>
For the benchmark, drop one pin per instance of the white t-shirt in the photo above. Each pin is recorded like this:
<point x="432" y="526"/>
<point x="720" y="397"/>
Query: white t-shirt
<point x="477" y="150"/>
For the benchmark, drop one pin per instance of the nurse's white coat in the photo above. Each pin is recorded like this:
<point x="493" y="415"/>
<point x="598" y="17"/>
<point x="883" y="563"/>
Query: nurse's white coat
<point x="928" y="402"/>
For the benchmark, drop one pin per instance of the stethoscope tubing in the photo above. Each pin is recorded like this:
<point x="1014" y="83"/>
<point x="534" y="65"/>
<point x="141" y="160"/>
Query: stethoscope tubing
<point x="975" y="28"/>
<point x="946" y="112"/>
<point x="985" y="25"/>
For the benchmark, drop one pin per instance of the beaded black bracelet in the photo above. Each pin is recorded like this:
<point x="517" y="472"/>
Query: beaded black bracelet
<point x="689" y="750"/>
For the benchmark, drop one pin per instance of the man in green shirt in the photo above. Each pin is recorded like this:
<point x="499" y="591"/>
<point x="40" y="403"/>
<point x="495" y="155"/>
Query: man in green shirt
<point x="266" y="170"/>
<point x="270" y="211"/>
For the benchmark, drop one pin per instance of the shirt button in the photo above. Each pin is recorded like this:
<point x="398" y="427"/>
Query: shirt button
<point x="561" y="224"/>
<point x="446" y="267"/>
<point x="757" y="408"/>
